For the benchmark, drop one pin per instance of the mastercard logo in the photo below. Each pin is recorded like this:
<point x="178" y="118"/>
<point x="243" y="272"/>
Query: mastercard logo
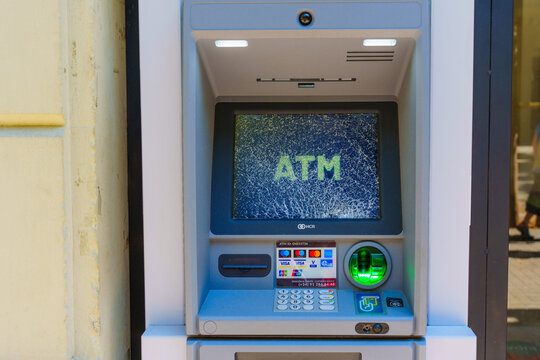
<point x="314" y="253"/>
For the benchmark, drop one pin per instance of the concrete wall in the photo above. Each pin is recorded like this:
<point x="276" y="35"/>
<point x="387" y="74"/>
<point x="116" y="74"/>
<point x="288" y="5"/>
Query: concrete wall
<point x="63" y="180"/>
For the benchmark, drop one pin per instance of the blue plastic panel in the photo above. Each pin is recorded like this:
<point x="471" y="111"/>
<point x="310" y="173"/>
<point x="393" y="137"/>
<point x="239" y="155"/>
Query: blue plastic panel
<point x="241" y="313"/>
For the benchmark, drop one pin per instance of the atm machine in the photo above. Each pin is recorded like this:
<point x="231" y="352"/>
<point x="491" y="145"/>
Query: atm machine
<point x="306" y="162"/>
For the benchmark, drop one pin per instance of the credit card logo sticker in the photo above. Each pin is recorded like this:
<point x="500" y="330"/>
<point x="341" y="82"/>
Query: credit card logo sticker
<point x="328" y="253"/>
<point x="299" y="253"/>
<point x="314" y="253"/>
<point x="313" y="264"/>
<point x="284" y="253"/>
<point x="327" y="263"/>
<point x="297" y="272"/>
<point x="282" y="273"/>
<point x="284" y="263"/>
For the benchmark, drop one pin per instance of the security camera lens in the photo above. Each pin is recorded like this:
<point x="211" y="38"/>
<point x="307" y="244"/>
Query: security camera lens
<point x="305" y="18"/>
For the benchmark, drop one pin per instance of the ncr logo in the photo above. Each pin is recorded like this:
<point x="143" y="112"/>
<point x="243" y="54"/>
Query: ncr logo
<point x="305" y="226"/>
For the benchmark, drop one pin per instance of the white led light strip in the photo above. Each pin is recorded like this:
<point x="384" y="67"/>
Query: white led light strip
<point x="380" y="42"/>
<point x="231" y="43"/>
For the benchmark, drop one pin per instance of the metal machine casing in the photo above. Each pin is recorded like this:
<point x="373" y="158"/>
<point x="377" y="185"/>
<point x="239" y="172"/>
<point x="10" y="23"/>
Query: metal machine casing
<point x="279" y="47"/>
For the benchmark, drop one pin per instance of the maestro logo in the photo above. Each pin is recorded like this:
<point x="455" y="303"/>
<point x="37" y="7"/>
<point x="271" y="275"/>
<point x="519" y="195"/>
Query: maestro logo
<point x="305" y="226"/>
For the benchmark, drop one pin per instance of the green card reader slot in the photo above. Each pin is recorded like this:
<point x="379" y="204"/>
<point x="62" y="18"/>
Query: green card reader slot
<point x="367" y="265"/>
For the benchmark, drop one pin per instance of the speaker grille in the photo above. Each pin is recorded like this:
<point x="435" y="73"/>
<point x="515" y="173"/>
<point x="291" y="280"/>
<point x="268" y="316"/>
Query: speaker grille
<point x="355" y="56"/>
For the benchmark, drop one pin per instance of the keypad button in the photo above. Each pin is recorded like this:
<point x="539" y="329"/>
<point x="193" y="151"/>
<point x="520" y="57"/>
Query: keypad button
<point x="326" y="307"/>
<point x="283" y="297"/>
<point x="282" y="307"/>
<point x="308" y="297"/>
<point x="326" y="297"/>
<point x="308" y="307"/>
<point x="327" y="291"/>
<point x="282" y="302"/>
<point x="326" y="302"/>
<point x="283" y="291"/>
<point x="308" y="291"/>
<point x="295" y="297"/>
<point x="295" y="302"/>
<point x="295" y="307"/>
<point x="296" y="291"/>
<point x="308" y="302"/>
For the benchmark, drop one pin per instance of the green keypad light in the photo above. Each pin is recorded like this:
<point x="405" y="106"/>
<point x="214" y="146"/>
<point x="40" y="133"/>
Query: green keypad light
<point x="368" y="266"/>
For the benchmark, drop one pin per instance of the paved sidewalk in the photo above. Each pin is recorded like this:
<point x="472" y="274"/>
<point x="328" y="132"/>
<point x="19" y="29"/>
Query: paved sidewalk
<point x="524" y="299"/>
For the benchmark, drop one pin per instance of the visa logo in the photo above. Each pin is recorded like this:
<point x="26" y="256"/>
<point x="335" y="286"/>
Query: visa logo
<point x="313" y="264"/>
<point x="327" y="263"/>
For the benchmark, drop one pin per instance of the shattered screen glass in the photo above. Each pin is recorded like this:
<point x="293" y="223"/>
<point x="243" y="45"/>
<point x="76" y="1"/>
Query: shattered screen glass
<point x="306" y="166"/>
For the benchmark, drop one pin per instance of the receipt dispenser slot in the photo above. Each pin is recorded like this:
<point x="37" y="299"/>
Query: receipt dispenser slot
<point x="240" y="265"/>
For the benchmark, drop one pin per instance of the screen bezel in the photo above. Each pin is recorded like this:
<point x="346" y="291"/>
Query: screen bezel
<point x="222" y="221"/>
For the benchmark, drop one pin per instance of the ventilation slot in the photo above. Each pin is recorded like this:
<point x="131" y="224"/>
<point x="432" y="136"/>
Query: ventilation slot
<point x="353" y="56"/>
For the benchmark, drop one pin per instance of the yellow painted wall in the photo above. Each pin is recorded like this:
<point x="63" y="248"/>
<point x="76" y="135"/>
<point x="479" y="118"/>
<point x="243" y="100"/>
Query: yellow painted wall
<point x="32" y="279"/>
<point x="30" y="46"/>
<point x="63" y="189"/>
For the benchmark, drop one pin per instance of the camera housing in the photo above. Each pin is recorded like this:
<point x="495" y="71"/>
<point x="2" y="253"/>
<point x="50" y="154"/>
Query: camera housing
<point x="305" y="18"/>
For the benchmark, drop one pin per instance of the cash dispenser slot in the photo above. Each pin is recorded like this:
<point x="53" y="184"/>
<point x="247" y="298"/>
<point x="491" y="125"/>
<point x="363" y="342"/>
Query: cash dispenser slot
<point x="297" y="356"/>
<point x="244" y="265"/>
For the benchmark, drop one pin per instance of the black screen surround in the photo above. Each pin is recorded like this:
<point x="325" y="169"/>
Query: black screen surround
<point x="389" y="221"/>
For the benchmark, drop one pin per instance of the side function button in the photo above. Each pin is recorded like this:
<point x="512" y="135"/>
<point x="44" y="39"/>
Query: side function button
<point x="327" y="307"/>
<point x="326" y="291"/>
<point x="326" y="302"/>
<point x="326" y="297"/>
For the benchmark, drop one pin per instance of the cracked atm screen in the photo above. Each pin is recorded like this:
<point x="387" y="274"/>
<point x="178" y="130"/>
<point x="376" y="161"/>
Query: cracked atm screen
<point x="306" y="264"/>
<point x="306" y="166"/>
